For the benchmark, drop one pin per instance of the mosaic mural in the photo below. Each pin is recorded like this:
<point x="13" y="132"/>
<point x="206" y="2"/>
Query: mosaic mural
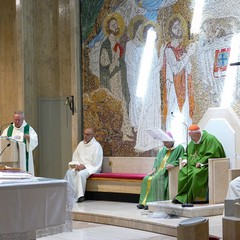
<point x="155" y="64"/>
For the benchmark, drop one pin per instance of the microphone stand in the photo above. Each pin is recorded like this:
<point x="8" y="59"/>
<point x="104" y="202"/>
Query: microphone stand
<point x="185" y="204"/>
<point x="4" y="149"/>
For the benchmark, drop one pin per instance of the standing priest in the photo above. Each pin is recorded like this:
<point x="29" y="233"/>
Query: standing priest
<point x="20" y="131"/>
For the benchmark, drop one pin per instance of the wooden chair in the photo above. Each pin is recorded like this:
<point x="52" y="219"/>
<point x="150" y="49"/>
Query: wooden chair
<point x="233" y="173"/>
<point x="218" y="180"/>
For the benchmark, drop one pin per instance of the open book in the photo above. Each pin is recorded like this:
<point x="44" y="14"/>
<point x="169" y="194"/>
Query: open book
<point x="158" y="134"/>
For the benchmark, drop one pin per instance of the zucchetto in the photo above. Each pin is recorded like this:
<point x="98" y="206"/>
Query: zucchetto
<point x="193" y="127"/>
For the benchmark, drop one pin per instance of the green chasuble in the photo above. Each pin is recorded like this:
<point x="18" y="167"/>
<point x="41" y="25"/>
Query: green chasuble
<point x="192" y="181"/>
<point x="26" y="131"/>
<point x="155" y="187"/>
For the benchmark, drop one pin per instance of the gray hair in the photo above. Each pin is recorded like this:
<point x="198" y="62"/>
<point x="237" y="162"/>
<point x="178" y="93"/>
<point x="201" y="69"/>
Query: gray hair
<point x="18" y="112"/>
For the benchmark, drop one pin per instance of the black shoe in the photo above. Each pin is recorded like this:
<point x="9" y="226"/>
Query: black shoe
<point x="145" y="207"/>
<point x="81" y="199"/>
<point x="140" y="206"/>
<point x="200" y="202"/>
<point x="176" y="201"/>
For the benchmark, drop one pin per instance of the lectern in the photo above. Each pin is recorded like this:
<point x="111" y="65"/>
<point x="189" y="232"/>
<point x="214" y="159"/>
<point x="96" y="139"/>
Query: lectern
<point x="13" y="153"/>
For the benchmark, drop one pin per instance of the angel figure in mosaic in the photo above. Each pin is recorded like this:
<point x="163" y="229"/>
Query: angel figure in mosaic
<point x="178" y="94"/>
<point x="113" y="68"/>
<point x="143" y="74"/>
<point x="133" y="56"/>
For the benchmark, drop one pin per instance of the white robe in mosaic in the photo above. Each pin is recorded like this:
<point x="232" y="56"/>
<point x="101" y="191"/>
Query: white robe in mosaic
<point x="133" y="58"/>
<point x="150" y="116"/>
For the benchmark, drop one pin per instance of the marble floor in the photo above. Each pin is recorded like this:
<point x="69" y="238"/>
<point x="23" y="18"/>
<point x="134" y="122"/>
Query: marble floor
<point x="94" y="220"/>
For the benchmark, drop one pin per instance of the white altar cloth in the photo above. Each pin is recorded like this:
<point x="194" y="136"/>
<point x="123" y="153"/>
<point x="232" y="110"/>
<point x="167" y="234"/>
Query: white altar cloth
<point x="31" y="205"/>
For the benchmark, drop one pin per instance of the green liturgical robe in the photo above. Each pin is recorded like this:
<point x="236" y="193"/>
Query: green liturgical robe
<point x="155" y="187"/>
<point x="192" y="181"/>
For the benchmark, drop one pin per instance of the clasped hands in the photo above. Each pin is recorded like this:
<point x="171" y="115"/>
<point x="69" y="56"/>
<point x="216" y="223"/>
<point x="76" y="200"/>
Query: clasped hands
<point x="79" y="167"/>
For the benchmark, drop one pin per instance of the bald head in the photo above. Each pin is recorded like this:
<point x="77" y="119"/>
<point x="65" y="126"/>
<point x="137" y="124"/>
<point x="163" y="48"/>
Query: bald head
<point x="88" y="134"/>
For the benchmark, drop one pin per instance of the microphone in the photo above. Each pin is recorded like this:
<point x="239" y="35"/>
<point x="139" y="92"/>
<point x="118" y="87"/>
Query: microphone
<point x="5" y="148"/>
<point x="6" y="124"/>
<point x="234" y="64"/>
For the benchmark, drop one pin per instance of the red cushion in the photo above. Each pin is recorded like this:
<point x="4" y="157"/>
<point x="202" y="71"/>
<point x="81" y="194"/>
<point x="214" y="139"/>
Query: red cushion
<point x="118" y="175"/>
<point x="213" y="238"/>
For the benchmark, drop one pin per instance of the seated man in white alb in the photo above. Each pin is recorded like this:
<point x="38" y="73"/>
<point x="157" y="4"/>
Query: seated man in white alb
<point x="86" y="160"/>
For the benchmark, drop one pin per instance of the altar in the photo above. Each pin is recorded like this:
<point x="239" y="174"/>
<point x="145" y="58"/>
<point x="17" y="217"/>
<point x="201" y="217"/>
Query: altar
<point x="34" y="207"/>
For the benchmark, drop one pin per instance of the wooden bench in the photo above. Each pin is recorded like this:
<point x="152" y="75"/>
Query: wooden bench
<point x="120" y="175"/>
<point x="125" y="174"/>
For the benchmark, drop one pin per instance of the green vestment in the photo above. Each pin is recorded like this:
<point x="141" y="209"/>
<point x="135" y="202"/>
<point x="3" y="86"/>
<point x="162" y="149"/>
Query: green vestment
<point x="155" y="187"/>
<point x="25" y="131"/>
<point x="192" y="181"/>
